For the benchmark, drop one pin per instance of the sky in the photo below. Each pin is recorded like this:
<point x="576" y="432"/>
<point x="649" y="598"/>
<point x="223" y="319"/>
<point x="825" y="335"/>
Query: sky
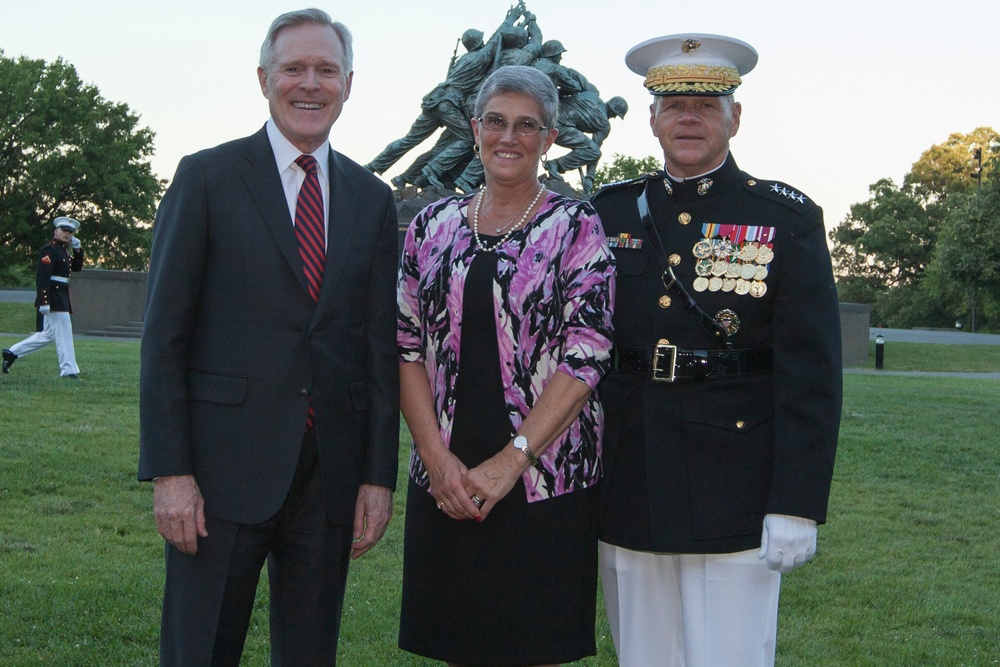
<point x="844" y="93"/>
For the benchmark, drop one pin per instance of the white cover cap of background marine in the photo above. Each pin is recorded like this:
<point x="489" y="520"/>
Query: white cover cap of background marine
<point x="692" y="64"/>
<point x="62" y="222"/>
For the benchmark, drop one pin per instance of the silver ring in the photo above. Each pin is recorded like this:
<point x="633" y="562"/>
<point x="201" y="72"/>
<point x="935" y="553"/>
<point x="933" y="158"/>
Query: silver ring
<point x="477" y="501"/>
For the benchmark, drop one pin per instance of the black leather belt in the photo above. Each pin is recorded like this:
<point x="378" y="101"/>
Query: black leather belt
<point x="668" y="363"/>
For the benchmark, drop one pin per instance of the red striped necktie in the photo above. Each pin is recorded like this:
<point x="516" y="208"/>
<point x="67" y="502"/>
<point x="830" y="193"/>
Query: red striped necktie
<point x="309" y="228"/>
<point x="311" y="237"/>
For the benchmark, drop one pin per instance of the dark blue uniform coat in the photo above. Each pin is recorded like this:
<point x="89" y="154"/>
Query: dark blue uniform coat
<point x="693" y="467"/>
<point x="55" y="260"/>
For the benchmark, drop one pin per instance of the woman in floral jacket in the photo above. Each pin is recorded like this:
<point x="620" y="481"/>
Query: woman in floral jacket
<point x="502" y="339"/>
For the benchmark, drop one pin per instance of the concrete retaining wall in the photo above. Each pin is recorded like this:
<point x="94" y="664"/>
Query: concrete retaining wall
<point x="854" y="327"/>
<point x="105" y="298"/>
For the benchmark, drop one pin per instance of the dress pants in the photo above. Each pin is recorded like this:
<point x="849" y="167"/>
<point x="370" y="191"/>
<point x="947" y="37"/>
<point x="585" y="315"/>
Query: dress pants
<point x="690" y="610"/>
<point x="57" y="327"/>
<point x="209" y="596"/>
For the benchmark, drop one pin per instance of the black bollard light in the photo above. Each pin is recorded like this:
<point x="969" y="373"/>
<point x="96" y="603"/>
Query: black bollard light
<point x="879" y="351"/>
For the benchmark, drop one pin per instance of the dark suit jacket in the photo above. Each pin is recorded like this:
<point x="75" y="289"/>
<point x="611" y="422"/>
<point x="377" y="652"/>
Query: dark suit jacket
<point x="233" y="347"/>
<point x="694" y="467"/>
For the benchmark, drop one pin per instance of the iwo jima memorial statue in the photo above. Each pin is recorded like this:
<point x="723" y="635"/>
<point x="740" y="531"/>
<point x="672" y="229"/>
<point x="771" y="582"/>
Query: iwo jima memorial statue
<point x="451" y="164"/>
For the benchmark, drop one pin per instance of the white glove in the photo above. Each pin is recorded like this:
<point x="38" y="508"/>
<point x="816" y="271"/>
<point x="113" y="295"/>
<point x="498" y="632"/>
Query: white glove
<point x="75" y="242"/>
<point x="44" y="310"/>
<point x="787" y="542"/>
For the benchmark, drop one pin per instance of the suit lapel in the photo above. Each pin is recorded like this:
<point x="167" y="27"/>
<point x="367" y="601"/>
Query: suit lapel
<point x="344" y="214"/>
<point x="264" y="185"/>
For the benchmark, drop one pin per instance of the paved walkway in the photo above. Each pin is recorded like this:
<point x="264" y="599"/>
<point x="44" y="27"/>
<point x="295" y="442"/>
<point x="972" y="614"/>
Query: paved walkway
<point x="17" y="295"/>
<point x="934" y="336"/>
<point x="967" y="376"/>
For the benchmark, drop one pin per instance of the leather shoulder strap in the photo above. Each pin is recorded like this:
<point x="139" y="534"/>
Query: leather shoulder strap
<point x="715" y="329"/>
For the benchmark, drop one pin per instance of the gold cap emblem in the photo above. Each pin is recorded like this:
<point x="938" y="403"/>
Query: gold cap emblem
<point x="689" y="45"/>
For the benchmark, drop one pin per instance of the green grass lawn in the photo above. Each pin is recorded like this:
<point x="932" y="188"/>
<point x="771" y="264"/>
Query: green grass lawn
<point x="16" y="318"/>
<point x="933" y="357"/>
<point x="907" y="572"/>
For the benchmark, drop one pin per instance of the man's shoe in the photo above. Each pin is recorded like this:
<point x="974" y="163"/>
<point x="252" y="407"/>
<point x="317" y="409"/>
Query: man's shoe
<point x="72" y="376"/>
<point x="8" y="360"/>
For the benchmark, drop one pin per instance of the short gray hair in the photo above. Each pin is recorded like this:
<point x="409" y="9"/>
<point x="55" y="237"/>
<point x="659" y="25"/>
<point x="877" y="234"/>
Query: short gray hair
<point x="525" y="81"/>
<point x="306" y="17"/>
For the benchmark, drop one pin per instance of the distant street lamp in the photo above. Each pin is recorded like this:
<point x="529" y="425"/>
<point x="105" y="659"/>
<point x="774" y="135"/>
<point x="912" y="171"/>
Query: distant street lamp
<point x="977" y="155"/>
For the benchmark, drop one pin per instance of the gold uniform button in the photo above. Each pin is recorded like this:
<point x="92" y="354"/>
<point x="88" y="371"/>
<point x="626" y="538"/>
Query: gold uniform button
<point x="751" y="182"/>
<point x="675" y="259"/>
<point x="741" y="425"/>
<point x="684" y="218"/>
<point x="665" y="301"/>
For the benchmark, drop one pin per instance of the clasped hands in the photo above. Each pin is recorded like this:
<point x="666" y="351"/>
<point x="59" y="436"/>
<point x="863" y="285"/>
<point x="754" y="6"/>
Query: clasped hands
<point x="456" y="488"/>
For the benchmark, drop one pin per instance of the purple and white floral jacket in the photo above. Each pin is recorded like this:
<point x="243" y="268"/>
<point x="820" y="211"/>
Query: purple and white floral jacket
<point x="553" y="298"/>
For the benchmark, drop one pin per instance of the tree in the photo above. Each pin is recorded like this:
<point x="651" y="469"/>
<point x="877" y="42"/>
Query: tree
<point x="623" y="167"/>
<point x="881" y="252"/>
<point x="884" y="249"/>
<point x="951" y="167"/>
<point x="887" y="241"/>
<point x="966" y="266"/>
<point x="64" y="150"/>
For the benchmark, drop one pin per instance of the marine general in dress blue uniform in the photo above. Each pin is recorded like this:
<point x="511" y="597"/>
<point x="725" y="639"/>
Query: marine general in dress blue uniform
<point x="723" y="405"/>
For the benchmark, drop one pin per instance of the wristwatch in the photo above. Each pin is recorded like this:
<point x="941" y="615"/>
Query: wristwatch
<point x="520" y="442"/>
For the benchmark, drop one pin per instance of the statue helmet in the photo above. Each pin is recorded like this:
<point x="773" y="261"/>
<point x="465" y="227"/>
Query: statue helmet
<point x="553" y="47"/>
<point x="618" y="106"/>
<point x="472" y="39"/>
<point x="514" y="38"/>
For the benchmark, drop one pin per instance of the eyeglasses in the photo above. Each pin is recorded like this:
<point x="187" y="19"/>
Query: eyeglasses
<point x="524" y="128"/>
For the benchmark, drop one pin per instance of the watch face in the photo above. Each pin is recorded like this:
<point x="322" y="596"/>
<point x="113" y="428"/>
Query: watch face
<point x="521" y="442"/>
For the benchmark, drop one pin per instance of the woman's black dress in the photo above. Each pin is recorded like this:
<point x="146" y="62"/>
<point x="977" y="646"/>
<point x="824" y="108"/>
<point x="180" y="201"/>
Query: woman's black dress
<point x="520" y="587"/>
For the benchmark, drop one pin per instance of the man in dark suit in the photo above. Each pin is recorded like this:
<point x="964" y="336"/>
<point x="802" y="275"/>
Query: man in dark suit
<point x="723" y="402"/>
<point x="269" y="389"/>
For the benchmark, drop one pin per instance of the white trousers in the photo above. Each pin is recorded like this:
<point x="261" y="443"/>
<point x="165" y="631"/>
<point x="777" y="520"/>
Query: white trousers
<point x="57" y="327"/>
<point x="690" y="610"/>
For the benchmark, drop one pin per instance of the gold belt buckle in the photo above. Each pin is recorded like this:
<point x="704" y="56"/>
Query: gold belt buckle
<point x="664" y="352"/>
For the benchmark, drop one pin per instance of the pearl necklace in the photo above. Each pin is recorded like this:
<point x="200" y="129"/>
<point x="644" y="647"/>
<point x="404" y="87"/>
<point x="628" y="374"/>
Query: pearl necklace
<point x="475" y="221"/>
